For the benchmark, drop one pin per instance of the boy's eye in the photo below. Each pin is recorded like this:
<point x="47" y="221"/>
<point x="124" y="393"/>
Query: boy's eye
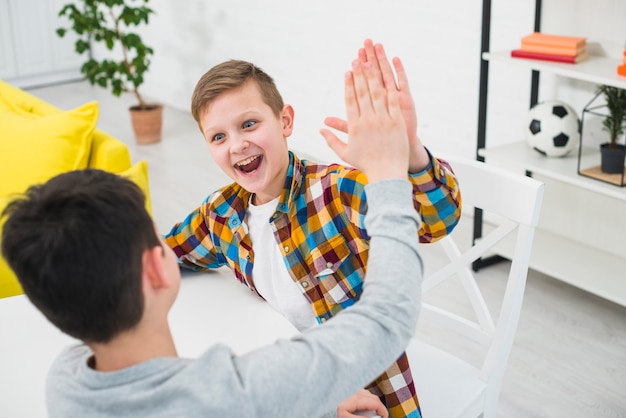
<point x="218" y="137"/>
<point x="248" y="124"/>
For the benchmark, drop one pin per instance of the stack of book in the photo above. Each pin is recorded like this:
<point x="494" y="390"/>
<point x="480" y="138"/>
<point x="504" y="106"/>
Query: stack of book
<point x="559" y="48"/>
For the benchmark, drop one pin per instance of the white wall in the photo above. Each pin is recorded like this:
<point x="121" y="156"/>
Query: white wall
<point x="307" y="46"/>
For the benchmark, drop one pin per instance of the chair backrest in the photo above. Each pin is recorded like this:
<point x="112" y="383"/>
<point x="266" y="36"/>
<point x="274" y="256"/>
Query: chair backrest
<point x="511" y="205"/>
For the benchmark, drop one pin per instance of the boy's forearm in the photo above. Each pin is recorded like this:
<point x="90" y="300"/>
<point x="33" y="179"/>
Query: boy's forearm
<point x="392" y="223"/>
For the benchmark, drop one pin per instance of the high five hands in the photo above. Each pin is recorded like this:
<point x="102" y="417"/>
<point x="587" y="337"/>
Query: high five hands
<point x="370" y="81"/>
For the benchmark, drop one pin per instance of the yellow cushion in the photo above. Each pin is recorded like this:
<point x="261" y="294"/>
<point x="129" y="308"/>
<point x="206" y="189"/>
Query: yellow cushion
<point x="34" y="148"/>
<point x="139" y="174"/>
<point x="9" y="285"/>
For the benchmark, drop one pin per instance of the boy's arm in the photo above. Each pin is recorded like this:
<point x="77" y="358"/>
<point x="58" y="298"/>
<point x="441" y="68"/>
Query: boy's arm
<point x="437" y="198"/>
<point x="437" y="193"/>
<point x="191" y="242"/>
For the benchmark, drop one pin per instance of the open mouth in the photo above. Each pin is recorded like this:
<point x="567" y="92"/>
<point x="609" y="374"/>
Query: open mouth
<point x="249" y="165"/>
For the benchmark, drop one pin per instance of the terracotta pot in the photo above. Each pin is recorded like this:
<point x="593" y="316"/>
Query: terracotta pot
<point x="147" y="123"/>
<point x="612" y="160"/>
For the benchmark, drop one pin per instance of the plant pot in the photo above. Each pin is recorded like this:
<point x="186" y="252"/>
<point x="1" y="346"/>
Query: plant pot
<point x="612" y="159"/>
<point x="147" y="123"/>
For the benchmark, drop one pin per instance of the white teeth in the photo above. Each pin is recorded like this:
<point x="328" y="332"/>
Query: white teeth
<point x="247" y="161"/>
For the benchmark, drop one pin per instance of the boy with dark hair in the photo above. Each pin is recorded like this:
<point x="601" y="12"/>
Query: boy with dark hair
<point x="292" y="230"/>
<point x="86" y="253"/>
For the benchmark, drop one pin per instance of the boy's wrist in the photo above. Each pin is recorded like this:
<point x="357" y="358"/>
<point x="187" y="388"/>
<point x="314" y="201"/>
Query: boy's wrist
<point x="385" y="173"/>
<point x="419" y="158"/>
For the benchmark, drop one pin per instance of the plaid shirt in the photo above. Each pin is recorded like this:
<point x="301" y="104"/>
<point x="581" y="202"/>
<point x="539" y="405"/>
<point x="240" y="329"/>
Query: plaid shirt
<point x="318" y="224"/>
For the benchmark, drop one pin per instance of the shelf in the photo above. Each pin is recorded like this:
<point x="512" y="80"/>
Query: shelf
<point x="553" y="255"/>
<point x="576" y="238"/>
<point x="598" y="70"/>
<point x="519" y="155"/>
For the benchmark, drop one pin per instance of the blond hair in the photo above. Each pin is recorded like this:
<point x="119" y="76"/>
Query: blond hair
<point x="231" y="75"/>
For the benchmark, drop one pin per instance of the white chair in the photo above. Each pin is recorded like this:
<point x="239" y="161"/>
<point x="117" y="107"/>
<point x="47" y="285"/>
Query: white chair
<point x="459" y="373"/>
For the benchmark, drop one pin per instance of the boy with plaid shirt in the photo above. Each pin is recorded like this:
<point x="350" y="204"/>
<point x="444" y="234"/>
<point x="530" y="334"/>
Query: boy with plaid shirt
<point x="292" y="230"/>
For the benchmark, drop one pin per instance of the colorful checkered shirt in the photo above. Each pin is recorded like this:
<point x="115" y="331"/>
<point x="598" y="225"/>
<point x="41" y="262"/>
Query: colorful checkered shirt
<point x="318" y="224"/>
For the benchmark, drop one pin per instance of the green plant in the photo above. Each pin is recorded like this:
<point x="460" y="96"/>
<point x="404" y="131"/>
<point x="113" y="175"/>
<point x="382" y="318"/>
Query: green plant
<point x="107" y="22"/>
<point x="613" y="123"/>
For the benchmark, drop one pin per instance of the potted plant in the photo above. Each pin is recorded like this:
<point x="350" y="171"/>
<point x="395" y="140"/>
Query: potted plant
<point x="613" y="153"/>
<point x="108" y="22"/>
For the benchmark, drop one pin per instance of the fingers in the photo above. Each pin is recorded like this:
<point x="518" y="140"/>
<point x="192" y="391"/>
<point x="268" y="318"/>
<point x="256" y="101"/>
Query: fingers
<point x="375" y="54"/>
<point x="337" y="124"/>
<point x="338" y="146"/>
<point x="403" y="80"/>
<point x="362" y="401"/>
<point x="351" y="95"/>
<point x="377" y="141"/>
<point x="385" y="68"/>
<point x="362" y="87"/>
<point x="371" y="75"/>
<point x="370" y="55"/>
<point x="376" y="89"/>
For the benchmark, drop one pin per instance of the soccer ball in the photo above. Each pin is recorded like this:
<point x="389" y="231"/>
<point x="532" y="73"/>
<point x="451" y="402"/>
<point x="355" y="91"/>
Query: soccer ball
<point x="553" y="128"/>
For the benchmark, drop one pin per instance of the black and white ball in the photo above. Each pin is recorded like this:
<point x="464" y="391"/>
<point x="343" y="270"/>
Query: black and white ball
<point x="553" y="128"/>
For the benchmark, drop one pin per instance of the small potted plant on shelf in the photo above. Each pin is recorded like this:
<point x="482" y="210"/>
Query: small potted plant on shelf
<point x="612" y="153"/>
<point x="108" y="22"/>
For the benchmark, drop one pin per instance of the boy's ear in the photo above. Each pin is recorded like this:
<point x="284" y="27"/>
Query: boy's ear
<point x="287" y="116"/>
<point x="154" y="268"/>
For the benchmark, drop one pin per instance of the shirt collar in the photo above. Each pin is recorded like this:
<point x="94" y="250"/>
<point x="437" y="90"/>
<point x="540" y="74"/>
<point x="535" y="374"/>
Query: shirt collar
<point x="293" y="183"/>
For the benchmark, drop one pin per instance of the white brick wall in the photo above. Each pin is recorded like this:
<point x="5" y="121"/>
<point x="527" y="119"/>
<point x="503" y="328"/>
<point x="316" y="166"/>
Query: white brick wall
<point x="307" y="46"/>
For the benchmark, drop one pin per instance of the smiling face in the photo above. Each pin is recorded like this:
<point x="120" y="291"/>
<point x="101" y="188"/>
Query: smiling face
<point x="248" y="140"/>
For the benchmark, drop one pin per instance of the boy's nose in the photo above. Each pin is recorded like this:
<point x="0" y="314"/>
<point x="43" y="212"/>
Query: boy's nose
<point x="239" y="144"/>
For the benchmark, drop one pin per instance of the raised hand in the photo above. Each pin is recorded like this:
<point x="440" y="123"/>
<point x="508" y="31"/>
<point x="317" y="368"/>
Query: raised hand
<point x="376" y="56"/>
<point x="377" y="139"/>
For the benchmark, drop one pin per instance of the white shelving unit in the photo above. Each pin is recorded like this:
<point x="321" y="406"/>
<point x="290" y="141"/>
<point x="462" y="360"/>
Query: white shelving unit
<point x="597" y="70"/>
<point x="581" y="237"/>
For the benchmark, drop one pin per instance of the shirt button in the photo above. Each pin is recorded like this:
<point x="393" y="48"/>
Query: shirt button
<point x="248" y="257"/>
<point x="305" y="284"/>
<point x="286" y="248"/>
<point x="329" y="264"/>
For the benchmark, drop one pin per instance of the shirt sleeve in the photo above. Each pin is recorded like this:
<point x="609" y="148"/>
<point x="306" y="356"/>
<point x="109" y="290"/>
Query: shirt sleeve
<point x="437" y="198"/>
<point x="192" y="241"/>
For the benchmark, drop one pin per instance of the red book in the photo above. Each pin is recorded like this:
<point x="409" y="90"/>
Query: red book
<point x="518" y="53"/>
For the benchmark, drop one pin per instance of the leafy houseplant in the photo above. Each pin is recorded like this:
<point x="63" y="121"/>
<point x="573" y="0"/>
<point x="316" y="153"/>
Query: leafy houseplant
<point x="616" y="104"/>
<point x="613" y="153"/>
<point x="108" y="22"/>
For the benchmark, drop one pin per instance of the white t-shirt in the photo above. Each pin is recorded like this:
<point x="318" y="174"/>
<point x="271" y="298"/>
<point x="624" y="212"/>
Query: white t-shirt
<point x="270" y="275"/>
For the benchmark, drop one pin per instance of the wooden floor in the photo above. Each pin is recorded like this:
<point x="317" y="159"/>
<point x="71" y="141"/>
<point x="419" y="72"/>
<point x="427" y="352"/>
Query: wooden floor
<point x="569" y="357"/>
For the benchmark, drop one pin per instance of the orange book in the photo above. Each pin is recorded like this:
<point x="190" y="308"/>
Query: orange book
<point x="621" y="70"/>
<point x="539" y="38"/>
<point x="554" y="50"/>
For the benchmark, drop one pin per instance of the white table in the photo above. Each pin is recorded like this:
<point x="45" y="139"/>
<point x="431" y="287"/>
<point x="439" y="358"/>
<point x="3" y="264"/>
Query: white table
<point x="212" y="307"/>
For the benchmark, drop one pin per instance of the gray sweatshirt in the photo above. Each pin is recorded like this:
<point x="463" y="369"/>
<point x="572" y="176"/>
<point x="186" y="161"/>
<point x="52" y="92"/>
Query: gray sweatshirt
<point x="306" y="376"/>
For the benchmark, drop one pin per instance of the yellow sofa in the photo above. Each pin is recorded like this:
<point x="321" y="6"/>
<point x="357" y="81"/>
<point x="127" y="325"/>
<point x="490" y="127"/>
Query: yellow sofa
<point x="39" y="141"/>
